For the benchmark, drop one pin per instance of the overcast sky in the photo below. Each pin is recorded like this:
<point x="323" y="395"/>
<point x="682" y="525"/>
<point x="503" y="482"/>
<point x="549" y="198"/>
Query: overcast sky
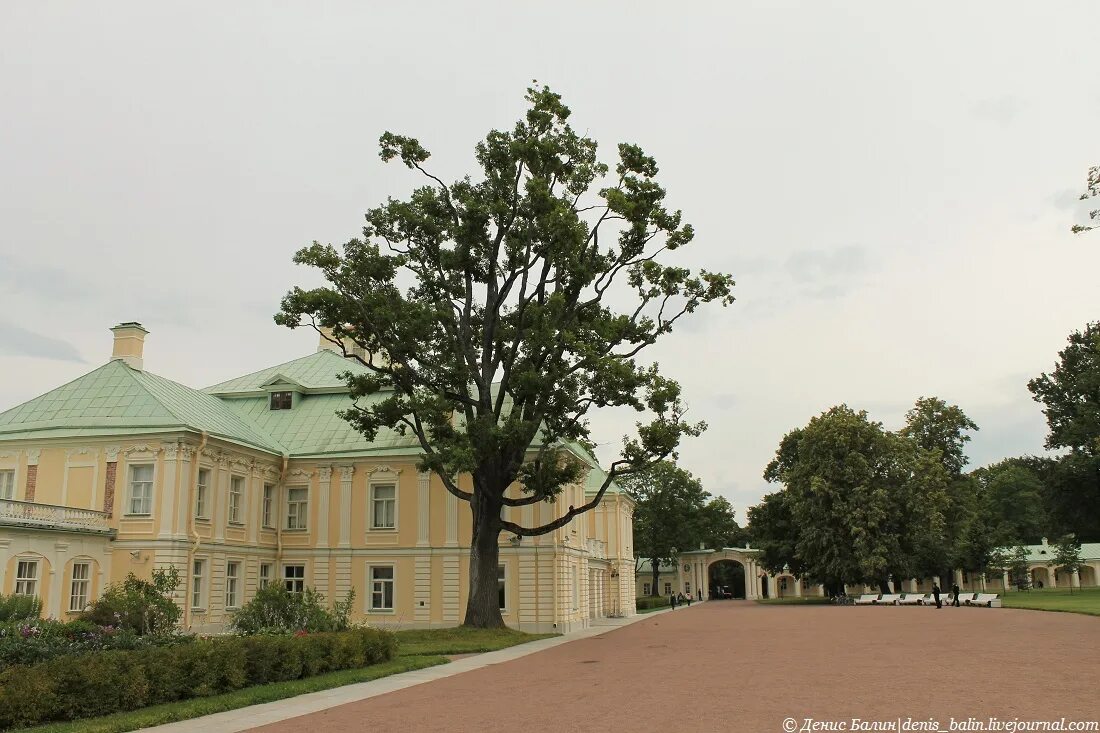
<point x="892" y="188"/>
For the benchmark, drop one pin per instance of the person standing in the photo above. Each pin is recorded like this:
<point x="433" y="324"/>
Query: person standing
<point x="936" y="595"/>
<point x="672" y="600"/>
<point x="955" y="592"/>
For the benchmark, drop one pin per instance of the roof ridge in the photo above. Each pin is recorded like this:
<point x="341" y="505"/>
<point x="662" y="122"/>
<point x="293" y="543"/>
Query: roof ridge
<point x="276" y="368"/>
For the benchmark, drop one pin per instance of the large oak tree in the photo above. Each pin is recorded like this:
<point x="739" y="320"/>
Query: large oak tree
<point x="496" y="313"/>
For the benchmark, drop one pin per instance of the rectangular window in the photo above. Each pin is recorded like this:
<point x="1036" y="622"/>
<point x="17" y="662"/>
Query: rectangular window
<point x="668" y="589"/>
<point x="269" y="501"/>
<point x="297" y="508"/>
<point x="294" y="576"/>
<point x="502" y="595"/>
<point x="141" y="489"/>
<point x="78" y="595"/>
<point x="281" y="400"/>
<point x="202" y="491"/>
<point x="645" y="589"/>
<point x="687" y="586"/>
<point x="26" y="578"/>
<point x="576" y="588"/>
<point x="265" y="574"/>
<point x="232" y="581"/>
<point x="7" y="484"/>
<point x="381" y="588"/>
<point x="198" y="574"/>
<point x="384" y="506"/>
<point x="236" y="494"/>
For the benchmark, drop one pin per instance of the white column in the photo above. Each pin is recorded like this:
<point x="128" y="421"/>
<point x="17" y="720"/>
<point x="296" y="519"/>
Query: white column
<point x="423" y="504"/>
<point x="1075" y="579"/>
<point x="1052" y="574"/>
<point x="325" y="490"/>
<point x="57" y="572"/>
<point x="1004" y="580"/>
<point x="184" y="505"/>
<point x="798" y="587"/>
<point x="346" y="473"/>
<point x="166" y="506"/>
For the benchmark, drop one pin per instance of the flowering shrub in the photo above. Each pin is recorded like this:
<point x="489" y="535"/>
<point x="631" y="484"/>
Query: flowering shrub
<point x="275" y="610"/>
<point x="36" y="640"/>
<point x="105" y="682"/>
<point x="13" y="607"/>
<point x="141" y="606"/>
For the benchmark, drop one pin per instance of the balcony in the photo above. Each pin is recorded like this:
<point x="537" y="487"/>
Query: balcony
<point x="597" y="549"/>
<point x="49" y="516"/>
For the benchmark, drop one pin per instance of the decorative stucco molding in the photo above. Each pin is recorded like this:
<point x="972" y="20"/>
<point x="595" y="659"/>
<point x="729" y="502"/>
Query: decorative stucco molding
<point x="33" y="454"/>
<point x="325" y="472"/>
<point x="383" y="468"/>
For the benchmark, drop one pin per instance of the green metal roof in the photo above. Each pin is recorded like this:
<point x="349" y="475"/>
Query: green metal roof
<point x="116" y="400"/>
<point x="318" y="371"/>
<point x="312" y="427"/>
<point x="1046" y="553"/>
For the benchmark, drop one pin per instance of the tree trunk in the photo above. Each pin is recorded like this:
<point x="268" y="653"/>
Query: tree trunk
<point x="884" y="585"/>
<point x="483" y="606"/>
<point x="656" y="566"/>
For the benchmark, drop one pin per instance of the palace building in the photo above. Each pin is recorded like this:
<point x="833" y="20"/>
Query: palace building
<point x="257" y="480"/>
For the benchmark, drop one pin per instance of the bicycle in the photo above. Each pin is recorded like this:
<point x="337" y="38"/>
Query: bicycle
<point x="843" y="599"/>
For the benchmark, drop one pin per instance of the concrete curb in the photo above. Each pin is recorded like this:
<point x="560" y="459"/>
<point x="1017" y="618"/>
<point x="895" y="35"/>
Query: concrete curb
<point x="253" y="716"/>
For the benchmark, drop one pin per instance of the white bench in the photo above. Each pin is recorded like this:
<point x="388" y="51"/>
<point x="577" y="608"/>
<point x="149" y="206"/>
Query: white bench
<point x="888" y="599"/>
<point x="989" y="600"/>
<point x="867" y="599"/>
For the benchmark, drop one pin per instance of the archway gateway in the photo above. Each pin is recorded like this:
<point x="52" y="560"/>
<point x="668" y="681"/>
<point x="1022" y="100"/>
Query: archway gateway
<point x="708" y="570"/>
<point x="726" y="579"/>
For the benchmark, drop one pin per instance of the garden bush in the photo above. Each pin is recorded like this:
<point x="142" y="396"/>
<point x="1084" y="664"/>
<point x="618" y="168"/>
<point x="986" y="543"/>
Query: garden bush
<point x="275" y="610"/>
<point x="36" y="640"/>
<point x="646" y="602"/>
<point x="18" y="608"/>
<point x="71" y="688"/>
<point x="141" y="606"/>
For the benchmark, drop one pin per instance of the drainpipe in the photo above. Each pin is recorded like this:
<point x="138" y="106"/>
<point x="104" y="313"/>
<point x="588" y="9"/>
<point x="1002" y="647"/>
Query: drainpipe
<point x="194" y="532"/>
<point x="278" y="514"/>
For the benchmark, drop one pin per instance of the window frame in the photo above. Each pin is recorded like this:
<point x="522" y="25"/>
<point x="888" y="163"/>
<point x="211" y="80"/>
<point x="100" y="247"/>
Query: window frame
<point x="668" y="588"/>
<point x="86" y="583"/>
<point x="23" y="581"/>
<point x="198" y="583"/>
<point x="645" y="589"/>
<point x="267" y="516"/>
<point x="264" y="577"/>
<point x="281" y="400"/>
<point x="295" y="579"/>
<point x="372" y="590"/>
<point x="374" y="506"/>
<point x="502" y="587"/>
<point x="11" y="485"/>
<point x="202" y="494"/>
<point x="301" y="510"/>
<point x="132" y="469"/>
<point x="233" y="584"/>
<point x="236" y="500"/>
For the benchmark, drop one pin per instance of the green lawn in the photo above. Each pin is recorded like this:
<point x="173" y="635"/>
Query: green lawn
<point x="460" y="640"/>
<point x="186" y="709"/>
<point x="1082" y="600"/>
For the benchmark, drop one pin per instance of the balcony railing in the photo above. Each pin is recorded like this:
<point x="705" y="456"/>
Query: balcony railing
<point x="49" y="516"/>
<point x="597" y="549"/>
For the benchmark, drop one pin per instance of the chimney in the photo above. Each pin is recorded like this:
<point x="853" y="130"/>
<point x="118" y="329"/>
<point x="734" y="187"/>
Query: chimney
<point x="323" y="343"/>
<point x="129" y="341"/>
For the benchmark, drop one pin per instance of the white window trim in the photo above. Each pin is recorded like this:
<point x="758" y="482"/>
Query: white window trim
<point x="238" y="591"/>
<point x="14" y="482"/>
<point x="270" y="503"/>
<point x="130" y="489"/>
<point x="202" y="586"/>
<point x="261" y="581"/>
<point x="36" y="563"/>
<point x="205" y="515"/>
<point x="239" y="520"/>
<point x="370" y="588"/>
<point x="305" y="572"/>
<point x="396" y="493"/>
<point x="87" y="581"/>
<point x="286" y="503"/>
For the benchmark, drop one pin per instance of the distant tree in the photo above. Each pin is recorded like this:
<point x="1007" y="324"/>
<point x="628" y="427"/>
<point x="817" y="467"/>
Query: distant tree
<point x="1092" y="190"/>
<point x="868" y="504"/>
<point x="773" y="531"/>
<point x="495" y="313"/>
<point x="1067" y="555"/>
<point x="938" y="426"/>
<point x="718" y="525"/>
<point x="1071" y="398"/>
<point x="1018" y="568"/>
<point x="1012" y="497"/>
<point x="999" y="559"/>
<point x="669" y="504"/>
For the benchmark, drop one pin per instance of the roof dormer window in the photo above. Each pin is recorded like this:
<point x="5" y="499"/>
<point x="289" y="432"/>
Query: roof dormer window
<point x="281" y="400"/>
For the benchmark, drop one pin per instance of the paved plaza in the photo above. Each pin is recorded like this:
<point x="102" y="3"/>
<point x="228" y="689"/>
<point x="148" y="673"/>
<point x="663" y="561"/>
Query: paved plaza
<point x="739" y="666"/>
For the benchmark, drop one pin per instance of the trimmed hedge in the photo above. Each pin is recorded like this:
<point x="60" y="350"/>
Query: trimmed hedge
<point x="646" y="602"/>
<point x="74" y="687"/>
